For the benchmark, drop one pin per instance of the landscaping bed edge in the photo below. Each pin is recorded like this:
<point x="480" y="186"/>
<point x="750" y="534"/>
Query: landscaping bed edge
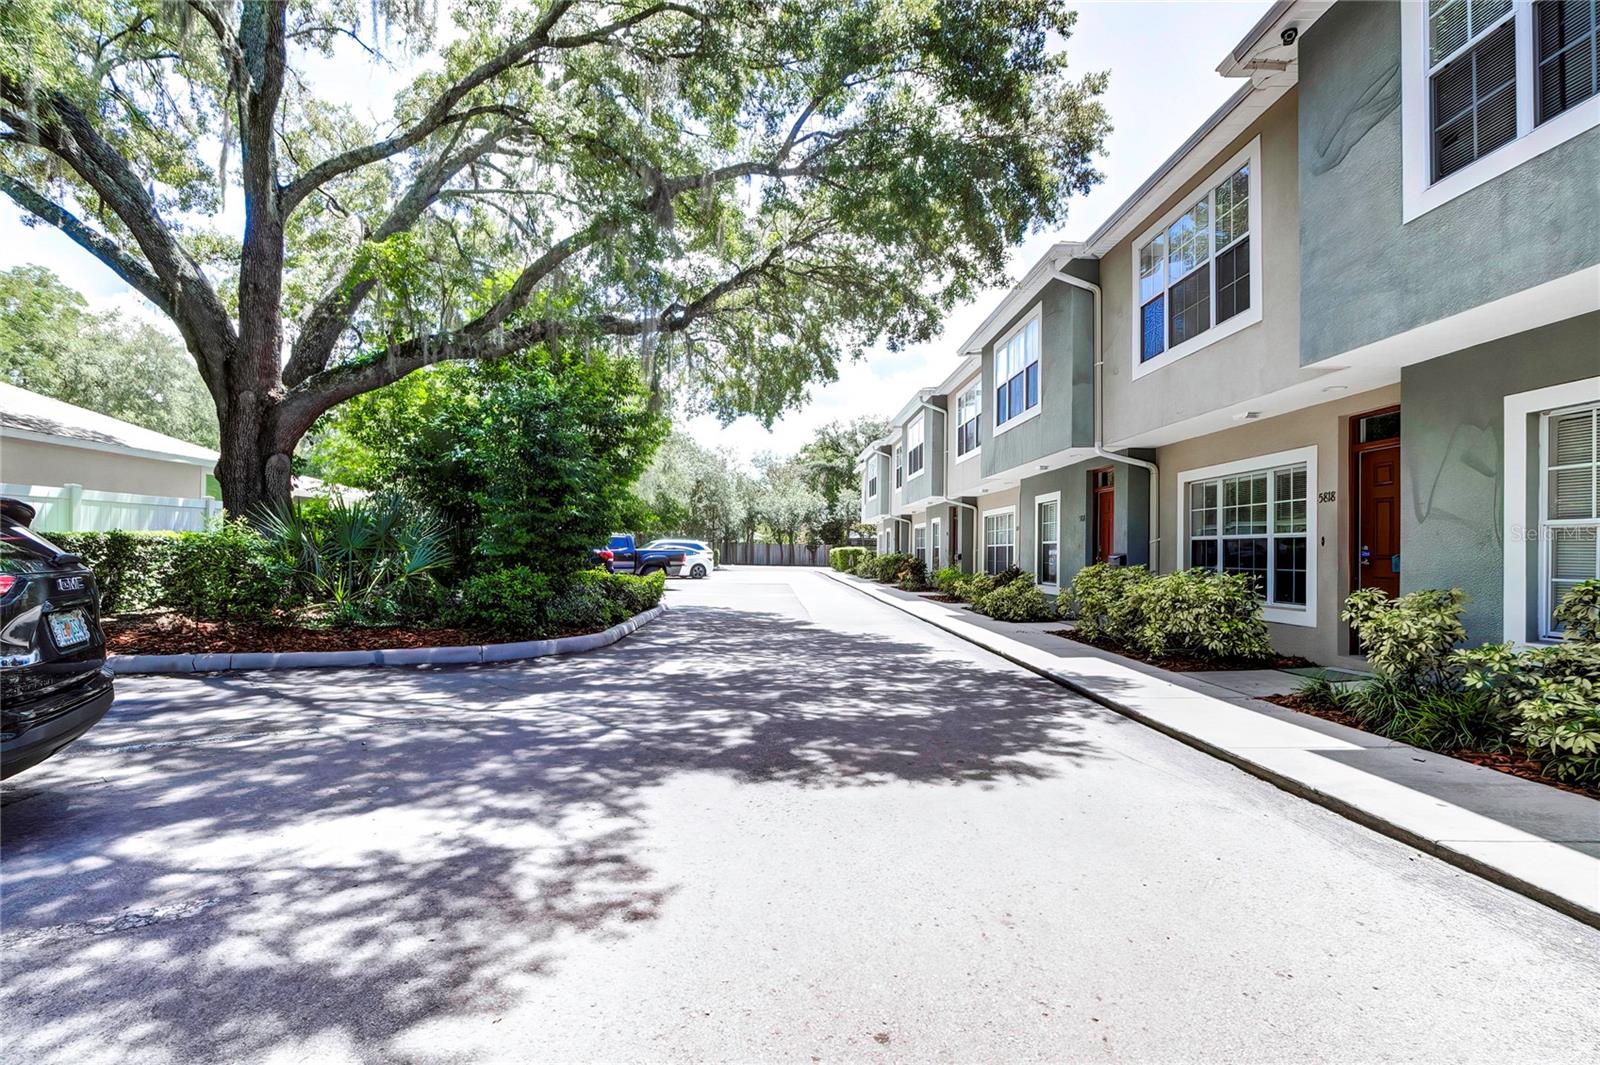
<point x="465" y="654"/>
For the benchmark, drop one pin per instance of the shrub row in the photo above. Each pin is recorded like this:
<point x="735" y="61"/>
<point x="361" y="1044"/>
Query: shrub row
<point x="846" y="559"/>
<point x="895" y="567"/>
<point x="1432" y="694"/>
<point x="522" y="602"/>
<point x="1194" y="612"/>
<point x="226" y="573"/>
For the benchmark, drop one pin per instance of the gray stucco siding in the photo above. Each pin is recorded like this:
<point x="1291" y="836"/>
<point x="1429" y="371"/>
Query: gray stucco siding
<point x="1367" y="274"/>
<point x="928" y="482"/>
<point x="1131" y="503"/>
<point x="1452" y="446"/>
<point x="1066" y="368"/>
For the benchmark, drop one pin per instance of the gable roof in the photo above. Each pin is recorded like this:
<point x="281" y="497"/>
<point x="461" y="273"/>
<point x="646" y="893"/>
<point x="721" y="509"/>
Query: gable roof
<point x="27" y="415"/>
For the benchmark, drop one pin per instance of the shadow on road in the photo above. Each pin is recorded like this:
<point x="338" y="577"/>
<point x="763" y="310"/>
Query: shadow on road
<point x="320" y="862"/>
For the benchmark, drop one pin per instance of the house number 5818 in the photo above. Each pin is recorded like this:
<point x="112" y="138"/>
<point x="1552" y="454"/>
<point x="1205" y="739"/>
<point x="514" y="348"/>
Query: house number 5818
<point x="1327" y="497"/>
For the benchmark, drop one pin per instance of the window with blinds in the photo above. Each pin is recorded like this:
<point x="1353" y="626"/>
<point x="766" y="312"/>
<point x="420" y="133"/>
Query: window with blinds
<point x="1472" y="52"/>
<point x="1570" y="526"/>
<point x="999" y="541"/>
<point x="1565" y="53"/>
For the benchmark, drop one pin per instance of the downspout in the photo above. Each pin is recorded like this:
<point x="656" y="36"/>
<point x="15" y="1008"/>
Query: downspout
<point x="1099" y="417"/>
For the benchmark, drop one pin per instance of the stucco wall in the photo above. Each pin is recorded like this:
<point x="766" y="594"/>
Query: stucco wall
<point x="1131" y="503"/>
<point x="1325" y="427"/>
<point x="928" y="482"/>
<point x="873" y="507"/>
<point x="1453" y="456"/>
<point x="1366" y="274"/>
<point x="1066" y="383"/>
<point x="993" y="501"/>
<point x="962" y="476"/>
<point x="34" y="462"/>
<point x="1257" y="359"/>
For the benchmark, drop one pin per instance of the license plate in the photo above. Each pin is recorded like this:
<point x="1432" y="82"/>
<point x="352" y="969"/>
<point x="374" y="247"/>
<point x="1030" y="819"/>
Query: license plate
<point x="69" y="628"/>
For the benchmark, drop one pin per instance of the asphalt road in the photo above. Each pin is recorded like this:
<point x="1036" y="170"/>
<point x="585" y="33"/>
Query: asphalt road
<point x="783" y="823"/>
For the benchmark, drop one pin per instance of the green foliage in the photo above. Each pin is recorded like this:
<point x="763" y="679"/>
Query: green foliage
<point x="230" y="573"/>
<point x="831" y="465"/>
<point x="1198" y="612"/>
<point x="375" y="559"/>
<point x="948" y="580"/>
<point x="1554" y="693"/>
<point x="1578" y="613"/>
<point x="1016" y="600"/>
<point x="517" y="602"/>
<point x="896" y="567"/>
<point x="691" y="490"/>
<point x="130" y="568"/>
<point x="1101" y="600"/>
<point x="528" y="462"/>
<point x="974" y="586"/>
<point x="846" y="559"/>
<point x="1007" y="575"/>
<point x="53" y="344"/>
<point x="1408" y="639"/>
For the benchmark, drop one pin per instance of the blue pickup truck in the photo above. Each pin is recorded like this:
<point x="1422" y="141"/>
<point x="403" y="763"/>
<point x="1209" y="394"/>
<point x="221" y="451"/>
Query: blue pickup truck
<point x="621" y="556"/>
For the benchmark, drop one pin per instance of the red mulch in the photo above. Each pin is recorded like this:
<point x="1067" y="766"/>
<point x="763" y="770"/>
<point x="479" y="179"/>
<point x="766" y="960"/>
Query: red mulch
<point x="1518" y="765"/>
<point x="1180" y="663"/>
<point x="173" y="634"/>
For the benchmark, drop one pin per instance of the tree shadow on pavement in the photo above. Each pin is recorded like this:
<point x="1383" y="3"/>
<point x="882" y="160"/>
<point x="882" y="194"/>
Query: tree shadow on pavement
<point x="316" y="863"/>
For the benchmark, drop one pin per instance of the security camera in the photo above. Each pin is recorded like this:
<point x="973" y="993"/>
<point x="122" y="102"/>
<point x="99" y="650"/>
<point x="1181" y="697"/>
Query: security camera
<point x="1289" y="35"/>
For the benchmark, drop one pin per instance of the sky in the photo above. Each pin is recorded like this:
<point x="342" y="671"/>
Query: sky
<point x="1162" y="60"/>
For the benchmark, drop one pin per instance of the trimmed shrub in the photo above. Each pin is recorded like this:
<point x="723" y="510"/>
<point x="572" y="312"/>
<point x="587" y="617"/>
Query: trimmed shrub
<point x="1554" y="695"/>
<point x="1007" y="575"/>
<point x="1198" y="612"/>
<point x="948" y="581"/>
<point x="519" y="602"/>
<point x="228" y="573"/>
<point x="913" y="576"/>
<point x="130" y="568"/>
<point x="1579" y="612"/>
<point x="1016" y="600"/>
<point x="973" y="586"/>
<point x="846" y="559"/>
<point x="505" y="601"/>
<point x="896" y="566"/>
<point x="1409" y="639"/>
<point x="1100" y="599"/>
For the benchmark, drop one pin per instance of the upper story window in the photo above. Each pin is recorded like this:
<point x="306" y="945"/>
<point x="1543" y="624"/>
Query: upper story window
<point x="872" y="478"/>
<point x="1200" y="267"/>
<point x="915" y="433"/>
<point x="899" y="467"/>
<point x="1016" y="372"/>
<point x="1489" y="84"/>
<point x="969" y="410"/>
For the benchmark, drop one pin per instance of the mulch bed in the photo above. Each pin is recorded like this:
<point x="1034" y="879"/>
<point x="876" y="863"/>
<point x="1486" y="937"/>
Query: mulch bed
<point x="1180" y="663"/>
<point x="940" y="597"/>
<point x="1518" y="765"/>
<point x="173" y="634"/>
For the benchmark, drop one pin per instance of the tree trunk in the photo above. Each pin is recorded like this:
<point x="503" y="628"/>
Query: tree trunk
<point x="254" y="468"/>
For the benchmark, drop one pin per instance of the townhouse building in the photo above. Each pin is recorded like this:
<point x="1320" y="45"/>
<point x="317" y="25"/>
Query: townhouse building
<point x="1346" y="336"/>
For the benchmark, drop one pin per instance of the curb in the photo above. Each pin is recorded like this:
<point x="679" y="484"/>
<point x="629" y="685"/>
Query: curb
<point x="466" y="654"/>
<point x="1344" y="808"/>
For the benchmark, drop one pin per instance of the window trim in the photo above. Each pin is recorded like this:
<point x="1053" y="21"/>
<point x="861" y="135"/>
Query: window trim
<point x="975" y="386"/>
<point x="983" y="539"/>
<point x="935" y="527"/>
<point x="1039" y="503"/>
<point x="872" y="479"/>
<point x="1277" y="614"/>
<point x="1036" y="314"/>
<point x="918" y="450"/>
<point x="899" y="467"/>
<point x="1420" y="194"/>
<point x="1518" y="408"/>
<point x="1251" y="154"/>
<point x="922" y="553"/>
<point x="1547" y="524"/>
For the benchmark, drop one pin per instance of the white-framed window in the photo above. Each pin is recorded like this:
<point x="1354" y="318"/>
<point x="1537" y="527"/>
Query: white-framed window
<point x="872" y="478"/>
<point x="1198" y="273"/>
<point x="899" y="466"/>
<point x="1489" y="84"/>
<point x="934" y="544"/>
<point x="915" y="437"/>
<point x="1047" y="539"/>
<point x="999" y="539"/>
<point x="1016" y="374"/>
<point x="969" y="412"/>
<point x="1569" y="520"/>
<point x="919" y="542"/>
<point x="1257" y="516"/>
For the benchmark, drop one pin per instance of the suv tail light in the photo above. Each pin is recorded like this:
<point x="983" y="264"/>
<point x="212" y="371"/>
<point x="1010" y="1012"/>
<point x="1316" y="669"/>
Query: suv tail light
<point x="7" y="582"/>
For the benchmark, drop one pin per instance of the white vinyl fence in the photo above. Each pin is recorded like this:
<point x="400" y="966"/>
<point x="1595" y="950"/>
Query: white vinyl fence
<point x="73" y="508"/>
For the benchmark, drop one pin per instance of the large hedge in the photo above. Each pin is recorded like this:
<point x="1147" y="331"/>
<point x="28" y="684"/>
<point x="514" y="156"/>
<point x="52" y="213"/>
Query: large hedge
<point x="229" y="572"/>
<point x="521" y="602"/>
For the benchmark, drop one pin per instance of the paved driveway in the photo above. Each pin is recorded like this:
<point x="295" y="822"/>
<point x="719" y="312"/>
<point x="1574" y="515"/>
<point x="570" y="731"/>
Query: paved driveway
<point x="782" y="823"/>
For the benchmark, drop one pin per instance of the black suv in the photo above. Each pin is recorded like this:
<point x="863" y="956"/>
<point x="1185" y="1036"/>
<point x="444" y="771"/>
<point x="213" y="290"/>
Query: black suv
<point x="54" y="684"/>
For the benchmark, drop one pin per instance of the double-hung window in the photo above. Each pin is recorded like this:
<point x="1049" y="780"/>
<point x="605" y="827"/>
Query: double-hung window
<point x="1570" y="523"/>
<point x="914" y="451"/>
<point x="1197" y="270"/>
<point x="1254" y="523"/>
<point x="1047" y="567"/>
<point x="1016" y="372"/>
<point x="999" y="540"/>
<point x="933" y="546"/>
<point x="969" y="409"/>
<point x="919" y="542"/>
<point x="899" y="467"/>
<point x="1505" y="79"/>
<point x="872" y="479"/>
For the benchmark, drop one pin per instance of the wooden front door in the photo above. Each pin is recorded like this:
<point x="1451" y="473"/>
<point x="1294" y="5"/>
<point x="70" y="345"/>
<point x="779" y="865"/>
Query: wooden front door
<point x="1103" y="511"/>
<point x="1378" y="521"/>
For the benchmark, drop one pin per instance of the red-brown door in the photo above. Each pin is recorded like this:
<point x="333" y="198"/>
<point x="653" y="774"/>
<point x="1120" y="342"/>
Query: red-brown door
<point x="1104" y="496"/>
<point x="1378" y="547"/>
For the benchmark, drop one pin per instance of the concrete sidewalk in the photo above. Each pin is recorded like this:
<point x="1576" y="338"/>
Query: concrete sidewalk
<point x="1537" y="840"/>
